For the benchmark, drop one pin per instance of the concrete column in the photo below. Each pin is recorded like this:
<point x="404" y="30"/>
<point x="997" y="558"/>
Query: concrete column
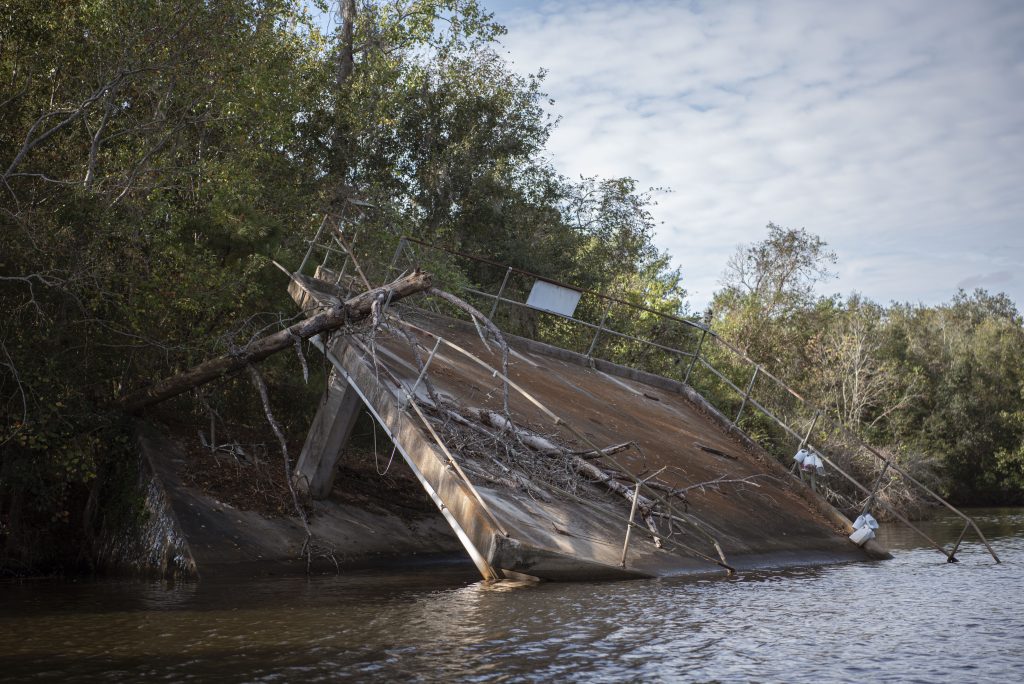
<point x="327" y="437"/>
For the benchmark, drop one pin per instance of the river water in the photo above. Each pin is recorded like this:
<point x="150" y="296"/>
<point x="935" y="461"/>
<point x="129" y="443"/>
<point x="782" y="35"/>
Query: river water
<point x="915" y="618"/>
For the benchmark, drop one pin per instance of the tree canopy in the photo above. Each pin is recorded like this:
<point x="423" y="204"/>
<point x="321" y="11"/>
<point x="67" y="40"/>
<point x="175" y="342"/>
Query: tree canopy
<point x="936" y="385"/>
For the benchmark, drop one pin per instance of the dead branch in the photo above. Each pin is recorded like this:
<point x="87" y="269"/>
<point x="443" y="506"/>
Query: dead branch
<point x="687" y="520"/>
<point x="30" y="280"/>
<point x="510" y="455"/>
<point x="355" y="309"/>
<point x="714" y="484"/>
<point x="493" y="329"/>
<point x="97" y="138"/>
<point x="591" y="454"/>
<point x="261" y="387"/>
<point x="302" y="360"/>
<point x="19" y="387"/>
<point x="609" y="480"/>
<point x="32" y="140"/>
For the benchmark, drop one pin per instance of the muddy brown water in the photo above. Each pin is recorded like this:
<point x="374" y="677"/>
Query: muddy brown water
<point x="915" y="618"/>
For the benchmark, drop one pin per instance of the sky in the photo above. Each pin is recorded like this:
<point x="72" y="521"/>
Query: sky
<point x="893" y="130"/>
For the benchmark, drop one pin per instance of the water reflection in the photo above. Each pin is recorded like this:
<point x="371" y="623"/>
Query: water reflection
<point x="915" y="617"/>
<point x="995" y="524"/>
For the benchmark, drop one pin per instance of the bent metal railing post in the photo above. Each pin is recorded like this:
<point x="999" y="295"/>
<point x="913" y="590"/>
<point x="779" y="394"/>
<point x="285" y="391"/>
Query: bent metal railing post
<point x="394" y="259"/>
<point x="700" y="356"/>
<point x="501" y="290"/>
<point x="956" y="547"/>
<point x="419" y="378"/>
<point x="629" y="526"/>
<point x="874" y="490"/>
<point x="600" y="329"/>
<point x="633" y="507"/>
<point x="315" y="242"/>
<point x="746" y="395"/>
<point x="810" y="429"/>
<point x="696" y="355"/>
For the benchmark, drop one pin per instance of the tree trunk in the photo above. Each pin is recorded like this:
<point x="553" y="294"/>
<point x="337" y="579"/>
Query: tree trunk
<point x="346" y="57"/>
<point x="355" y="309"/>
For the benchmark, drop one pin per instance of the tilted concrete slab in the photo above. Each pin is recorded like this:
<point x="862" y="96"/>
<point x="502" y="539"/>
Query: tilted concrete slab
<point x="511" y="531"/>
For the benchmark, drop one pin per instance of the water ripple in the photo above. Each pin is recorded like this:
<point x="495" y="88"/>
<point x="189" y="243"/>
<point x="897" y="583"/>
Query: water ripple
<point x="915" y="618"/>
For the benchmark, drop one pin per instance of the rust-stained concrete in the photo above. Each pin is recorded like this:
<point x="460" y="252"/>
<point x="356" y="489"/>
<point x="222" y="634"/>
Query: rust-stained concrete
<point x="775" y="524"/>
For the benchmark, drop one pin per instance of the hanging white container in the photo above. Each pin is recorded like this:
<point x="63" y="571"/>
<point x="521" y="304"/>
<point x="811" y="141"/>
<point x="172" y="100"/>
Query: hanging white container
<point x="862" y="535"/>
<point x="866" y="520"/>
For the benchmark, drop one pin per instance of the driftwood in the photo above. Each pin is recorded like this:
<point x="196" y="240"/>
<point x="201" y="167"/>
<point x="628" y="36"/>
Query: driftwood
<point x="548" y="448"/>
<point x="353" y="310"/>
<point x="491" y="328"/>
<point x="591" y="454"/>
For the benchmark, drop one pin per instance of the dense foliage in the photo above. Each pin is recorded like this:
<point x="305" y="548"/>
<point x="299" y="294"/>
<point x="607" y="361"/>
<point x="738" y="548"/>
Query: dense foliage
<point x="154" y="158"/>
<point x="940" y="388"/>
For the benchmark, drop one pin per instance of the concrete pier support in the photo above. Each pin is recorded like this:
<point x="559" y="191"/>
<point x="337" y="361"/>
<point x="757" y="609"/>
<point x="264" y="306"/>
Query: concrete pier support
<point x="330" y="432"/>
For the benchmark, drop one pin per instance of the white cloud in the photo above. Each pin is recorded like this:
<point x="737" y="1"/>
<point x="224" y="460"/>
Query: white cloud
<point x="893" y="130"/>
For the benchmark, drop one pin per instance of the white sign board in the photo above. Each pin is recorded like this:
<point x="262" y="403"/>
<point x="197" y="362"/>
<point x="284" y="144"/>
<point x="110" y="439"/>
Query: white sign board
<point x="553" y="298"/>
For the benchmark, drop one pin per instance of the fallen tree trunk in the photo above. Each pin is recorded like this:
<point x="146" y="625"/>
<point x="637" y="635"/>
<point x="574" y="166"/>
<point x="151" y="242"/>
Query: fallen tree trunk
<point x="351" y="311"/>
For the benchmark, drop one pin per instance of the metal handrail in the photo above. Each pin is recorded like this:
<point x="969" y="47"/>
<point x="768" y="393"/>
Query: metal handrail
<point x="553" y="281"/>
<point x="744" y="395"/>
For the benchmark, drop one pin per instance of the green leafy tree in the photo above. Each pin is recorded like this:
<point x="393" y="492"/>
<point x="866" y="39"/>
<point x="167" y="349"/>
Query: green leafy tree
<point x="768" y="303"/>
<point x="147" y="174"/>
<point x="967" y="357"/>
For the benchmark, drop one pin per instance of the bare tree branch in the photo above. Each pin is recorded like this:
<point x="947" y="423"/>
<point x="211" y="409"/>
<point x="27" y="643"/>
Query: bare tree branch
<point x="261" y="387"/>
<point x="493" y="329"/>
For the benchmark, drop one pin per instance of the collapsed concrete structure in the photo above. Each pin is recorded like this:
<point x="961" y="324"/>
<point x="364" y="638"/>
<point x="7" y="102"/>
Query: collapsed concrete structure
<point x="543" y="462"/>
<point x="708" y="497"/>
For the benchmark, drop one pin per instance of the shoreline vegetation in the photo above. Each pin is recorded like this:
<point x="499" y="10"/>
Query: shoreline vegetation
<point x="155" y="159"/>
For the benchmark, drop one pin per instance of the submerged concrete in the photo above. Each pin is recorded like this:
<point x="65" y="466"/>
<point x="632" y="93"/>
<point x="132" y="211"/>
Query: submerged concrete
<point x="772" y="521"/>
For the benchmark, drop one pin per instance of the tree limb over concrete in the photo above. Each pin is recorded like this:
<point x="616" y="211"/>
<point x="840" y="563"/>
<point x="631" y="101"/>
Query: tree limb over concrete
<point x="353" y="310"/>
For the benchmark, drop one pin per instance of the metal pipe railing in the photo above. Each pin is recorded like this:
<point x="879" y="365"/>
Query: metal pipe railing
<point x="553" y="281"/>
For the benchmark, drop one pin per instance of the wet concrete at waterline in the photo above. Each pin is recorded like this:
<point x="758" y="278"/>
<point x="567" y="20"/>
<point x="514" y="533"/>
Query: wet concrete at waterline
<point x="914" y="618"/>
